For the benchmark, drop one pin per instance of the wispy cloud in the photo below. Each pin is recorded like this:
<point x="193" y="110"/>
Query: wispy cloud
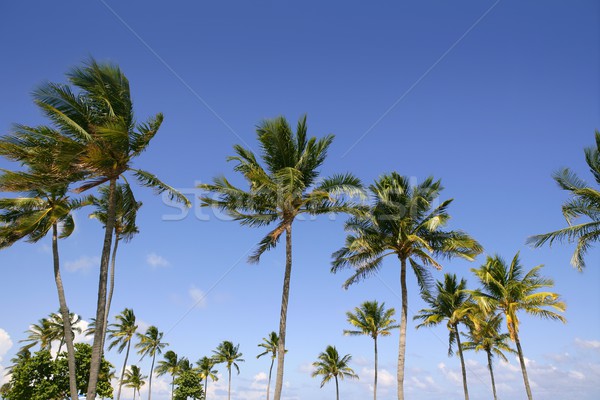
<point x="587" y="344"/>
<point x="83" y="263"/>
<point x="198" y="297"/>
<point x="156" y="261"/>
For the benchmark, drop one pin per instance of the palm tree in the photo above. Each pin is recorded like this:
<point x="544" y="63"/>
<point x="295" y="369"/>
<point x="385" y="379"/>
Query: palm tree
<point x="372" y="319"/>
<point x="169" y="365"/>
<point x="271" y="345"/>
<point x="40" y="333"/>
<point x="205" y="368"/>
<point x="484" y="334"/>
<point x="584" y="202"/>
<point x="508" y="289"/>
<point x="97" y="116"/>
<point x="126" y="208"/>
<point x="44" y="205"/>
<point x="281" y="187"/>
<point x="58" y="326"/>
<point x="229" y="354"/>
<point x="133" y="378"/>
<point x="120" y="335"/>
<point x="330" y="365"/>
<point x="405" y="222"/>
<point x="449" y="303"/>
<point x="150" y="344"/>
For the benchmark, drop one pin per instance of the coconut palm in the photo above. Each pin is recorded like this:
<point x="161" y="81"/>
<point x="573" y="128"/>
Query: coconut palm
<point x="133" y="378"/>
<point x="282" y="186"/>
<point x="330" y="365"/>
<point x="205" y="369"/>
<point x="58" y="326"/>
<point x="120" y="335"/>
<point x="271" y="346"/>
<point x="484" y="334"/>
<point x="170" y="365"/>
<point x="508" y="289"/>
<point x="97" y="115"/>
<point x="372" y="319"/>
<point x="584" y="202"/>
<point x="150" y="344"/>
<point x="227" y="353"/>
<point x="405" y="221"/>
<point x="126" y="208"/>
<point x="448" y="303"/>
<point x="40" y="334"/>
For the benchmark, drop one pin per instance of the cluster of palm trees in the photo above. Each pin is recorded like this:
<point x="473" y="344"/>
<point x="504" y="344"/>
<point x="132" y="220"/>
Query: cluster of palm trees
<point x="93" y="139"/>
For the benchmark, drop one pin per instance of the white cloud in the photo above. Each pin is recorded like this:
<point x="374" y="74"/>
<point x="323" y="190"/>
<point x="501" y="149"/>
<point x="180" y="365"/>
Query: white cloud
<point x="156" y="261"/>
<point x="5" y="345"/>
<point x="83" y="263"/>
<point x="588" y="344"/>
<point x="450" y="374"/>
<point x="384" y="377"/>
<point x="81" y="337"/>
<point x="261" y="377"/>
<point x="198" y="297"/>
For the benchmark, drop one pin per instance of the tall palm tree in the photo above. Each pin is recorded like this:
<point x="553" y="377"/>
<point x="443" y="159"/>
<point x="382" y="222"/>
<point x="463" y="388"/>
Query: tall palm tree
<point x="271" y="346"/>
<point x="330" y="365"/>
<point x="97" y="116"/>
<point x="405" y="221"/>
<point x="170" y="365"/>
<point x="42" y="204"/>
<point x="150" y="345"/>
<point x="584" y="202"/>
<point x="372" y="319"/>
<point x="282" y="186"/>
<point x="227" y="353"/>
<point x="126" y="208"/>
<point x="509" y="289"/>
<point x="133" y="378"/>
<point x="449" y="303"/>
<point x="205" y="368"/>
<point x="120" y="334"/>
<point x="484" y="334"/>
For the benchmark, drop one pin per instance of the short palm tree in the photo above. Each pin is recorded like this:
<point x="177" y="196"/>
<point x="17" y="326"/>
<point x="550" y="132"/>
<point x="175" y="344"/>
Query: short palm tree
<point x="406" y="222"/>
<point x="58" y="326"/>
<point x="508" y="289"/>
<point x="372" y="319"/>
<point x="120" y="335"/>
<point x="126" y="208"/>
<point x="271" y="346"/>
<point x="150" y="344"/>
<point x="330" y="365"/>
<point x="205" y="368"/>
<point x="227" y="353"/>
<point x="448" y="303"/>
<point x="584" y="202"/>
<point x="170" y="365"/>
<point x="40" y="334"/>
<point x="484" y="335"/>
<point x="282" y="186"/>
<point x="133" y="378"/>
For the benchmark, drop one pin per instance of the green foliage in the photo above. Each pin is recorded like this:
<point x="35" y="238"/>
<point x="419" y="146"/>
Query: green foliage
<point x="329" y="365"/>
<point x="188" y="385"/>
<point x="229" y="354"/>
<point x="371" y="319"/>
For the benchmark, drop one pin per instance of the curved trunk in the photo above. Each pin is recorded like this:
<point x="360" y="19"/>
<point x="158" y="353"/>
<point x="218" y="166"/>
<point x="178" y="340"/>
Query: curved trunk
<point x="229" y="390"/>
<point x="101" y="305"/>
<point x="462" y="361"/>
<point x="64" y="310"/>
<point x="337" y="389"/>
<point x="489" y="358"/>
<point x="375" y="381"/>
<point x="269" y="381"/>
<point x="283" y="317"/>
<point x="523" y="369"/>
<point x="150" y="378"/>
<point x="60" y="345"/>
<point x="111" y="289"/>
<point x="403" y="316"/>
<point x="123" y="370"/>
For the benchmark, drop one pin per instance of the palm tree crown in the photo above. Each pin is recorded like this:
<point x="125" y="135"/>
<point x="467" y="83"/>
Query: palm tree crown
<point x="134" y="379"/>
<point x="150" y="344"/>
<point x="120" y="334"/>
<point x="229" y="354"/>
<point x="331" y="366"/>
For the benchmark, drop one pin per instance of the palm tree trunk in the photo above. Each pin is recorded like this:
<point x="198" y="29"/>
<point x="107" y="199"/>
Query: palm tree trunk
<point x="172" y="385"/>
<point x="523" y="369"/>
<point x="462" y="362"/>
<point x="123" y="370"/>
<point x="64" y="310"/>
<point x="150" y="378"/>
<point x="337" y="389"/>
<point x="229" y="390"/>
<point x="101" y="305"/>
<point x="403" y="317"/>
<point x="111" y="289"/>
<point x="206" y="387"/>
<point x="489" y="357"/>
<point x="60" y="345"/>
<point x="283" y="317"/>
<point x="269" y="381"/>
<point x="375" y="381"/>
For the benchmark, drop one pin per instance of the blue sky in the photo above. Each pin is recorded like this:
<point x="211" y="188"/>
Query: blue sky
<point x="489" y="96"/>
